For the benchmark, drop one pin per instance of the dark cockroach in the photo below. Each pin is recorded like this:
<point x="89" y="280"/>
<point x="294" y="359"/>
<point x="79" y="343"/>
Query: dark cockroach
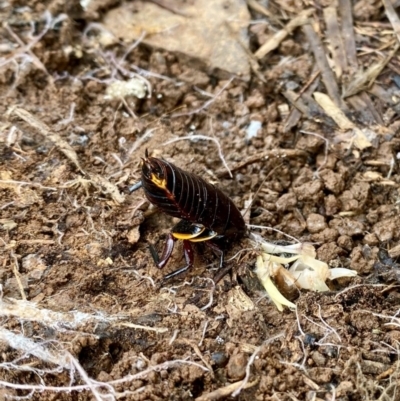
<point x="206" y="213"/>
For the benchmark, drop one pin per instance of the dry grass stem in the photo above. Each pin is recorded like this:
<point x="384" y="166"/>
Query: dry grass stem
<point x="264" y="11"/>
<point x="198" y="353"/>
<point x="306" y="95"/>
<point x="29" y="311"/>
<point x="158" y="330"/>
<point x="364" y="80"/>
<point x="266" y="155"/>
<point x="328" y="77"/>
<point x="335" y="40"/>
<point x="297" y="102"/>
<point x="204" y="138"/>
<point x="281" y="35"/>
<point x="26" y="49"/>
<point x="104" y="185"/>
<point x="392" y="17"/>
<point x="252" y="60"/>
<point x="226" y="391"/>
<point x="331" y="109"/>
<point x="206" y="104"/>
<point x="326" y="147"/>
<point x="44" y="130"/>
<point x="8" y="183"/>
<point x="346" y="14"/>
<point x="15" y="268"/>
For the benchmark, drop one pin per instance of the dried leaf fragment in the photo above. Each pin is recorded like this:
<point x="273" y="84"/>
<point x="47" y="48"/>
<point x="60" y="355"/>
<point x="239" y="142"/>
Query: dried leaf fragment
<point x="305" y="273"/>
<point x="330" y="108"/>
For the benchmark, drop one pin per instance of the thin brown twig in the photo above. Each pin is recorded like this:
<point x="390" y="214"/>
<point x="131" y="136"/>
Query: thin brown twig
<point x="278" y="153"/>
<point x="18" y="276"/>
<point x="320" y="57"/>
<point x="197" y="352"/>
<point x="281" y="35"/>
<point x="264" y="11"/>
<point x="392" y="17"/>
<point x="206" y="104"/>
<point x="306" y="94"/>
<point x="309" y="83"/>
<point x="346" y="14"/>
<point x="333" y="34"/>
<point x="223" y="392"/>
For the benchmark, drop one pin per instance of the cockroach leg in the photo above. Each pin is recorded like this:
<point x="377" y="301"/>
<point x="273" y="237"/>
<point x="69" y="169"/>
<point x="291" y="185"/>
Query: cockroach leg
<point x="154" y="254"/>
<point x="189" y="258"/>
<point x="220" y="252"/>
<point x="168" y="248"/>
<point x="222" y="272"/>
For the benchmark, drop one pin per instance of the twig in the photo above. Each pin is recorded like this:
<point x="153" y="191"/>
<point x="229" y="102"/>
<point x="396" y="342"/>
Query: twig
<point x="333" y="33"/>
<point x="206" y="104"/>
<point x="392" y="17"/>
<point x="206" y="138"/>
<point x="28" y="48"/>
<point x="250" y="363"/>
<point x="364" y="80"/>
<point x="281" y="35"/>
<point x="18" y="276"/>
<point x="326" y="72"/>
<point x="305" y="93"/>
<point x="326" y="147"/>
<point x="258" y="7"/>
<point x="340" y="118"/>
<point x="346" y="13"/>
<point x="158" y="330"/>
<point x="278" y="153"/>
<point x="224" y="392"/>
<point x="44" y="130"/>
<point x="198" y="353"/>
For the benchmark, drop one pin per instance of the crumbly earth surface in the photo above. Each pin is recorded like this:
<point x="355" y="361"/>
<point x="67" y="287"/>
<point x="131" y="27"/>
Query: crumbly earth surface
<point x="78" y="281"/>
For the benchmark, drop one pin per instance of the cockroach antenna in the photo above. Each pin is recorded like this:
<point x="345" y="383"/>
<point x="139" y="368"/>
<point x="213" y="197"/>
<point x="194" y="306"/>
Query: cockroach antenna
<point x="135" y="187"/>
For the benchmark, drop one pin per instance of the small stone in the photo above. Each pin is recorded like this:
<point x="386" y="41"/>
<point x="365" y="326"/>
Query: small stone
<point x="236" y="367"/>
<point x="329" y="251"/>
<point x="309" y="190"/>
<point x="331" y="205"/>
<point x="370" y="239"/>
<point x="347" y="226"/>
<point x="133" y="235"/>
<point x="385" y="229"/>
<point x="315" y="223"/>
<point x="34" y="265"/>
<point x="318" y="358"/>
<point x="345" y="242"/>
<point x="286" y="202"/>
<point x="333" y="181"/>
<point x="326" y="235"/>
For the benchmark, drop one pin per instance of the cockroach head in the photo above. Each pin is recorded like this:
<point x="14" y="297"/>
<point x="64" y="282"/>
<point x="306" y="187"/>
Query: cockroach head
<point x="153" y="170"/>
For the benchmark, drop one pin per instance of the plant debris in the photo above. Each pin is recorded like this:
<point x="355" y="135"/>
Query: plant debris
<point x="291" y="108"/>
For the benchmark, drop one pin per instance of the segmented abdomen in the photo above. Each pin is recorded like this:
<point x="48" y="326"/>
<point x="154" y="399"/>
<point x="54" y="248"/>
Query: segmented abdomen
<point x="189" y="197"/>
